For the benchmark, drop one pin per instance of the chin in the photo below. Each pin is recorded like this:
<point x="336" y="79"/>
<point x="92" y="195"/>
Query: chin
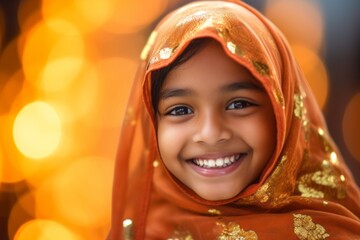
<point x="216" y="196"/>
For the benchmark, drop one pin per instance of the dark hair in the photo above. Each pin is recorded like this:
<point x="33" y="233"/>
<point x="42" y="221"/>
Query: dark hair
<point x="158" y="76"/>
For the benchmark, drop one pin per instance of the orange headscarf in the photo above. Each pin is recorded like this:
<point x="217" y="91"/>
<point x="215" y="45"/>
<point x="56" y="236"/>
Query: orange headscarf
<point x="305" y="190"/>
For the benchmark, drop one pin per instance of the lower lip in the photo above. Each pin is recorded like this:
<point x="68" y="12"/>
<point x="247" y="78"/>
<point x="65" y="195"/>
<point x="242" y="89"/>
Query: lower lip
<point x="216" y="172"/>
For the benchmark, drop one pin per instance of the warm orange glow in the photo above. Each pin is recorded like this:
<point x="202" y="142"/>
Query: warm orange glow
<point x="86" y="15"/>
<point x="37" y="130"/>
<point x="132" y="16"/>
<point x="42" y="229"/>
<point x="117" y="75"/>
<point x="48" y="41"/>
<point x="10" y="173"/>
<point x="315" y="72"/>
<point x="350" y="125"/>
<point x="300" y="20"/>
<point x="54" y="80"/>
<point x="81" y="194"/>
<point x="79" y="96"/>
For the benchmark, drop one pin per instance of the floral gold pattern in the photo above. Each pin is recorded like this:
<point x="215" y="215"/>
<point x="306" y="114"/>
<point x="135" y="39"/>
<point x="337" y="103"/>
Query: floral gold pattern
<point x="305" y="228"/>
<point x="233" y="231"/>
<point x="316" y="184"/>
<point x="324" y="180"/>
<point x="267" y="194"/>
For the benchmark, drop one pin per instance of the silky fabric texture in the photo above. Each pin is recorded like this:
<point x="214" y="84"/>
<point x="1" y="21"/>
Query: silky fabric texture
<point x="304" y="192"/>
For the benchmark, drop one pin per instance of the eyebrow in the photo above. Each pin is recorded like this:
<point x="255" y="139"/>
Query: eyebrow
<point x="241" y="85"/>
<point x="175" y="92"/>
<point x="181" y="92"/>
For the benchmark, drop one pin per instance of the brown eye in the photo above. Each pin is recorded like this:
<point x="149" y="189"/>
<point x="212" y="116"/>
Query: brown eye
<point x="239" y="104"/>
<point x="179" y="111"/>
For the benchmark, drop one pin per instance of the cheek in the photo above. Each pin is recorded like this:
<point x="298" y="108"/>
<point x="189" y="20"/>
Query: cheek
<point x="266" y="135"/>
<point x="170" y="140"/>
<point x="260" y="134"/>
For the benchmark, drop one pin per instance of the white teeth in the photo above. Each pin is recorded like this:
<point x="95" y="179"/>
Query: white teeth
<point x="218" y="162"/>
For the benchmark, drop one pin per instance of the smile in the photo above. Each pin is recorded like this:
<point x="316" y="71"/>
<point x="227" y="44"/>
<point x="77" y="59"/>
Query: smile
<point x="220" y="162"/>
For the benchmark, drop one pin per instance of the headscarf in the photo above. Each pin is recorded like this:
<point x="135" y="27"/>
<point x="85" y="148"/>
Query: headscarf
<point x="304" y="192"/>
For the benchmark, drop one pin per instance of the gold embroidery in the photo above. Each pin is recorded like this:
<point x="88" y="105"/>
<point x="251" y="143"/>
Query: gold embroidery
<point x="325" y="141"/>
<point x="305" y="228"/>
<point x="273" y="192"/>
<point x="279" y="97"/>
<point x="213" y="211"/>
<point x="233" y="231"/>
<point x="299" y="105"/>
<point x="262" y="68"/>
<point x="307" y="191"/>
<point x="325" y="178"/>
<point x="328" y="182"/>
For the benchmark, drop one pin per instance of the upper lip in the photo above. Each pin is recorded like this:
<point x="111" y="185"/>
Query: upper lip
<point x="216" y="155"/>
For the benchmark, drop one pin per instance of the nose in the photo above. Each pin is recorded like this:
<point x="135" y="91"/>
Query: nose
<point x="211" y="129"/>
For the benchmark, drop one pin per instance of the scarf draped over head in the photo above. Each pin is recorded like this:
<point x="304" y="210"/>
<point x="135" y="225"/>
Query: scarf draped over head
<point x="305" y="190"/>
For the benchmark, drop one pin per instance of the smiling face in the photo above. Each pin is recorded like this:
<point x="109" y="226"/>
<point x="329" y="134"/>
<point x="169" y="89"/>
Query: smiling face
<point x="215" y="124"/>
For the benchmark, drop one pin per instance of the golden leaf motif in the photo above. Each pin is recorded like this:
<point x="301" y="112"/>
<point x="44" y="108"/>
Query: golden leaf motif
<point x="233" y="231"/>
<point x="305" y="228"/>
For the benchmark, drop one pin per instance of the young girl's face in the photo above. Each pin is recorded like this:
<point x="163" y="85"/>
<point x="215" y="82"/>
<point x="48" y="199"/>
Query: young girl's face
<point x="216" y="128"/>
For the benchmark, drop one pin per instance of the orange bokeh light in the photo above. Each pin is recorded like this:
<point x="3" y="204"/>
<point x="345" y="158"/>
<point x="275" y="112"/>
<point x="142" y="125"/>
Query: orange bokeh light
<point x="77" y="98"/>
<point x="37" y="130"/>
<point x="350" y="126"/>
<point x="86" y="15"/>
<point x="315" y="72"/>
<point x="117" y="75"/>
<point x="42" y="229"/>
<point x="79" y="194"/>
<point x="132" y="16"/>
<point x="300" y="20"/>
<point x="48" y="41"/>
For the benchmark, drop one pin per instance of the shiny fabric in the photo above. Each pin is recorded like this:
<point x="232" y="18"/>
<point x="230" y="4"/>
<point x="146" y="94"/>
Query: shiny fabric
<point x="304" y="192"/>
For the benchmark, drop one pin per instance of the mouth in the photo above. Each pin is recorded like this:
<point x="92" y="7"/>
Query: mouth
<point x="220" y="162"/>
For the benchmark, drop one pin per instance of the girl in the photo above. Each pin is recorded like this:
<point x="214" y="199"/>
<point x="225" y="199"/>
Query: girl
<point x="223" y="138"/>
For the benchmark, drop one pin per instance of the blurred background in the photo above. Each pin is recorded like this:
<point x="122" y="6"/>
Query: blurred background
<point x="66" y="67"/>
